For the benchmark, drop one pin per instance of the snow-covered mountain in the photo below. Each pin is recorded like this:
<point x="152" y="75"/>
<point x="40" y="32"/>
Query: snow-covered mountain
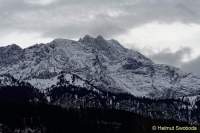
<point x="98" y="73"/>
<point x="103" y="63"/>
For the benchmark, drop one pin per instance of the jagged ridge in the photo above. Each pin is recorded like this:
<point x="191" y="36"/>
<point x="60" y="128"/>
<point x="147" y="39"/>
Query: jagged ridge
<point x="98" y="67"/>
<point x="101" y="62"/>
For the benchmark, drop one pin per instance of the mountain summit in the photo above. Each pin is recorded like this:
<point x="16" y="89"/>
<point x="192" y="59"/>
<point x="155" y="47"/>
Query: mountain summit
<point x="105" y="64"/>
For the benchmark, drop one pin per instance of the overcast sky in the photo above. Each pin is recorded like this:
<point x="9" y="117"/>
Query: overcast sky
<point x="167" y="31"/>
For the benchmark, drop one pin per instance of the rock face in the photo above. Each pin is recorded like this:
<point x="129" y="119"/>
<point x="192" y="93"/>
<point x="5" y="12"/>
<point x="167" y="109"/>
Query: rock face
<point x="103" y="63"/>
<point x="95" y="72"/>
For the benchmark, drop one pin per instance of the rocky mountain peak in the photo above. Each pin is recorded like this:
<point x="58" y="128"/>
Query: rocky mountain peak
<point x="103" y="63"/>
<point x="91" y="39"/>
<point x="95" y="72"/>
<point x="10" y="54"/>
<point x="15" y="47"/>
<point x="86" y="38"/>
<point x="12" y="47"/>
<point x="100" y="37"/>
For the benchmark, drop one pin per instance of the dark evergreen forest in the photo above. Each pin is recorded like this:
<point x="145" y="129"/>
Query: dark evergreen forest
<point x="24" y="110"/>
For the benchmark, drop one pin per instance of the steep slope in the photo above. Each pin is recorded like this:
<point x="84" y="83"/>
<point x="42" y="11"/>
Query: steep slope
<point x="103" y="63"/>
<point x="97" y="73"/>
<point x="14" y="91"/>
<point x="72" y="92"/>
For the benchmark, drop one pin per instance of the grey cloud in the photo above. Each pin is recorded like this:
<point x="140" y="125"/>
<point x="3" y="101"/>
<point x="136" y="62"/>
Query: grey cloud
<point x="72" y="18"/>
<point x="175" y="59"/>
<point x="102" y="24"/>
<point x="170" y="58"/>
<point x="192" y="66"/>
